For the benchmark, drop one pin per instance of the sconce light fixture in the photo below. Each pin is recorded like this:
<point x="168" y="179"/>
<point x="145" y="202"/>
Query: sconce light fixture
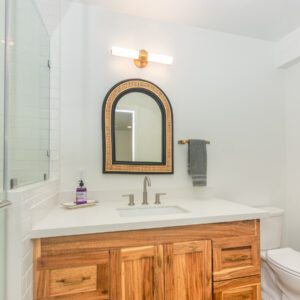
<point x="141" y="57"/>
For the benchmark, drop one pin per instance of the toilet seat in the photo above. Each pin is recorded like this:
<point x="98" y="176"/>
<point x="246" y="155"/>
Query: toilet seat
<point x="286" y="259"/>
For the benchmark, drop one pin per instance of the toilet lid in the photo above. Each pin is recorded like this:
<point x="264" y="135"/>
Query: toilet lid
<point x="285" y="258"/>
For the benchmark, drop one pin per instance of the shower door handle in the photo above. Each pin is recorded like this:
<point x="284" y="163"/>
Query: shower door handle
<point x="4" y="204"/>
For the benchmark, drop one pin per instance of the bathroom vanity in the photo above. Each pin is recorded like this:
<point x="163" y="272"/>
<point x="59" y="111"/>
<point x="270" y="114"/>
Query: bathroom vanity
<point x="213" y="259"/>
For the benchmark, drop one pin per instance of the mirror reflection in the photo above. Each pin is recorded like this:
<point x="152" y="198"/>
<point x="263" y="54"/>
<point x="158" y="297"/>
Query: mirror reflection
<point x="138" y="129"/>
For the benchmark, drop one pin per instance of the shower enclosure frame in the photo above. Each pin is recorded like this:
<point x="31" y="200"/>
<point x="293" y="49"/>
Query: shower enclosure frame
<point x="4" y="203"/>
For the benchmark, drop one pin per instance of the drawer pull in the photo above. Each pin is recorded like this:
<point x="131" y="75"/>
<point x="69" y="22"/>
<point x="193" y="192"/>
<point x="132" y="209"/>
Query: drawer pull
<point x="72" y="282"/>
<point x="237" y="258"/>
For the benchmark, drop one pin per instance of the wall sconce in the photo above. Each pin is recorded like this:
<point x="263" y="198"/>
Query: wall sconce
<point x="141" y="57"/>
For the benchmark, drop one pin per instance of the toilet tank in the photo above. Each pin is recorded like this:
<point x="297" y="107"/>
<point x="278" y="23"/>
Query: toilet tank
<point x="271" y="228"/>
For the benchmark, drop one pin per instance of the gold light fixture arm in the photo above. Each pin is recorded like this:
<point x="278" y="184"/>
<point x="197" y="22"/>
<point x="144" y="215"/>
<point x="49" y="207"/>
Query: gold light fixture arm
<point x="142" y="61"/>
<point x="141" y="57"/>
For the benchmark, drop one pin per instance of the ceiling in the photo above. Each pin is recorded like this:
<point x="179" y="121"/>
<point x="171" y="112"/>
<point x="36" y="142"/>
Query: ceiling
<point x="262" y="19"/>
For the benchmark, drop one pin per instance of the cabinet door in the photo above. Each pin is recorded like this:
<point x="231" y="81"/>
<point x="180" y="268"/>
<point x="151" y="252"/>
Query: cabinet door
<point x="188" y="271"/>
<point x="247" y="288"/>
<point x="137" y="273"/>
<point x="73" y="277"/>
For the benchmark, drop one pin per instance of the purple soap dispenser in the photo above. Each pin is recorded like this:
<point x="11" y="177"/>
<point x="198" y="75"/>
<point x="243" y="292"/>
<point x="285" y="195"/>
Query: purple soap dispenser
<point x="81" y="193"/>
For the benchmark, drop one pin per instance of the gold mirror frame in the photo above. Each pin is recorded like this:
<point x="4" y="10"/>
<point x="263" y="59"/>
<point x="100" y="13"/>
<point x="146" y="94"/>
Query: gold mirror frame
<point x="111" y="99"/>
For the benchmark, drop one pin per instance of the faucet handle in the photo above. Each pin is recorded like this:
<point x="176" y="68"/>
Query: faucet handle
<point x="157" y="197"/>
<point x="131" y="199"/>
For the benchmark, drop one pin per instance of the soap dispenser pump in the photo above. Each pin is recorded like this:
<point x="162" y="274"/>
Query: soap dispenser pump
<point x="81" y="193"/>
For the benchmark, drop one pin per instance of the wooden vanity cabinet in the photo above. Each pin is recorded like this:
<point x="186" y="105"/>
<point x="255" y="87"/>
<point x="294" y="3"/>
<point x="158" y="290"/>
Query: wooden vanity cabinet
<point x="198" y="262"/>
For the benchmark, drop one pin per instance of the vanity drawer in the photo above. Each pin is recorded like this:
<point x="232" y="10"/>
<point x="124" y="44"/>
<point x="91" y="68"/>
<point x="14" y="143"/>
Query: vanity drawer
<point x="73" y="280"/>
<point x="247" y="288"/>
<point x="73" y="277"/>
<point x="235" y="257"/>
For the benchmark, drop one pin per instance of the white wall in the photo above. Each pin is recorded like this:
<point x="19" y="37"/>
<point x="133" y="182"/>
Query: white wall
<point x="222" y="87"/>
<point x="52" y="11"/>
<point x="288" y="50"/>
<point x="292" y="96"/>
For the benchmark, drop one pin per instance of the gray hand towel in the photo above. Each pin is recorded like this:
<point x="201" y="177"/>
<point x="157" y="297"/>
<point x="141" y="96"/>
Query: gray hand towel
<point x="197" y="162"/>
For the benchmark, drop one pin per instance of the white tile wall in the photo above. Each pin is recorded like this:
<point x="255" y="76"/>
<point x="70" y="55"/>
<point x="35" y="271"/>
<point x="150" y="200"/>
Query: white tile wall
<point x="30" y="204"/>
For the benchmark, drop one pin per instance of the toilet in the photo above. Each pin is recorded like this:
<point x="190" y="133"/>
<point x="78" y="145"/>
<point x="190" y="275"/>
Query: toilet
<point x="280" y="266"/>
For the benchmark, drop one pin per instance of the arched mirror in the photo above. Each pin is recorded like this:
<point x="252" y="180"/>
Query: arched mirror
<point x="137" y="129"/>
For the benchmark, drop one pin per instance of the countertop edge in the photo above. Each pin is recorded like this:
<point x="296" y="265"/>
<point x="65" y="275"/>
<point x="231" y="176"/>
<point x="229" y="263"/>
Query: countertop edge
<point x="93" y="229"/>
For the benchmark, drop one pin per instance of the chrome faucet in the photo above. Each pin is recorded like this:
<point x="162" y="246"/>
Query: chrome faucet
<point x="147" y="182"/>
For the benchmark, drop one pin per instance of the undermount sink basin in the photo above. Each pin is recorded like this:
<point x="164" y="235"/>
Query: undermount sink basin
<point x="150" y="211"/>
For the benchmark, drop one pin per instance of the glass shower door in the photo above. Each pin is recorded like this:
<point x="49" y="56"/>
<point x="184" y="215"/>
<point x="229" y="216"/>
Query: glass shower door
<point x="3" y="204"/>
<point x="28" y="127"/>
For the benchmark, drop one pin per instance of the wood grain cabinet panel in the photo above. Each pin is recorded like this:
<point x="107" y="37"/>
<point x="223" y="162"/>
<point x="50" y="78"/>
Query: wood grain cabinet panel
<point x="188" y="271"/>
<point x="247" y="288"/>
<point x="84" y="277"/>
<point x="87" y="243"/>
<point x="137" y="273"/>
<point x="236" y="257"/>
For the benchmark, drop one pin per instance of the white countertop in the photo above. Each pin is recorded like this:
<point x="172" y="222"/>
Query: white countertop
<point x="105" y="218"/>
